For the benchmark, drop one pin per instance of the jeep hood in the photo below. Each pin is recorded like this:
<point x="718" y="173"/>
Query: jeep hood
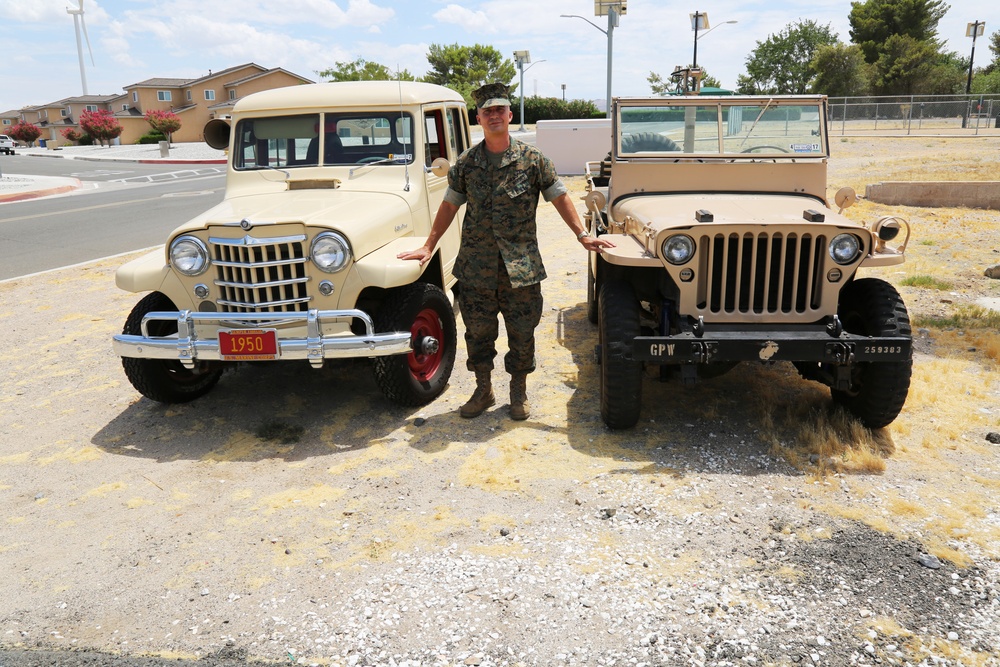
<point x="667" y="211"/>
<point x="369" y="220"/>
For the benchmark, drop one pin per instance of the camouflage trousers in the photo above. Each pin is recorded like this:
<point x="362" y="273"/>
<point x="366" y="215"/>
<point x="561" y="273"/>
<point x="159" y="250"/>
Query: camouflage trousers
<point x="521" y="308"/>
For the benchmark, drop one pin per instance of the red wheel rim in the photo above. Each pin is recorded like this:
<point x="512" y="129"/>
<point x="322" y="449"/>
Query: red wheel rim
<point x="425" y="366"/>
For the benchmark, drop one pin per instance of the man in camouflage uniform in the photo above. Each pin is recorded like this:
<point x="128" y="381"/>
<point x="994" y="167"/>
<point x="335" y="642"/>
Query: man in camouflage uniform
<point x="499" y="266"/>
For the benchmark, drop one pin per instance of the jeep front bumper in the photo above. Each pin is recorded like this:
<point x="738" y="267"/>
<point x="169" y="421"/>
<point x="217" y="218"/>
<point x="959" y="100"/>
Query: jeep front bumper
<point x="755" y="345"/>
<point x="315" y="347"/>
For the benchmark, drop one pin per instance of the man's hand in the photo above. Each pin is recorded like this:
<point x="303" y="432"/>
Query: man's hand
<point x="595" y="243"/>
<point x="421" y="253"/>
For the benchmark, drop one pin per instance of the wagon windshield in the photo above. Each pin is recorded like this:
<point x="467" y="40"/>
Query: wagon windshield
<point x="794" y="130"/>
<point x="284" y="142"/>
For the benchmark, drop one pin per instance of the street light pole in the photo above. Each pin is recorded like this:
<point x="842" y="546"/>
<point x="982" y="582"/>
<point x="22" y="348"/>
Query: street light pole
<point x="615" y="10"/>
<point x="696" y="19"/>
<point x="522" y="57"/>
<point x="973" y="30"/>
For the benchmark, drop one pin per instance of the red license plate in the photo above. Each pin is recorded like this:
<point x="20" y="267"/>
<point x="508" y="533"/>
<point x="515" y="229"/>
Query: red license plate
<point x="248" y="344"/>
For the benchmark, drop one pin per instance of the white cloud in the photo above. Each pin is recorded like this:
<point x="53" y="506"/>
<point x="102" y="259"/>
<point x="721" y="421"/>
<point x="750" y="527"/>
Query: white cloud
<point x="475" y="22"/>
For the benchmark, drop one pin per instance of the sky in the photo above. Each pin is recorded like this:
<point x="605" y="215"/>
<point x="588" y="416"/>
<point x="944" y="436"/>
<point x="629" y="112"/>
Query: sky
<point x="134" y="40"/>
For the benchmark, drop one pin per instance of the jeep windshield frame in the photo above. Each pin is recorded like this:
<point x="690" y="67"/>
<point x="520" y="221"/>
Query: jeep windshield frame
<point x="730" y="128"/>
<point x="348" y="138"/>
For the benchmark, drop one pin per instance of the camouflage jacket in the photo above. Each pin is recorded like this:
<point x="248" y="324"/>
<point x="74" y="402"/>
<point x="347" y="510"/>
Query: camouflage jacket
<point x="500" y="217"/>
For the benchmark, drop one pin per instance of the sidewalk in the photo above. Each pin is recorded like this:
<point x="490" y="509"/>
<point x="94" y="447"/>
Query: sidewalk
<point x="17" y="187"/>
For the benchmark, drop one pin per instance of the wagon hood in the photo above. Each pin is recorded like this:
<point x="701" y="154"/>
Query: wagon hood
<point x="669" y="211"/>
<point x="368" y="219"/>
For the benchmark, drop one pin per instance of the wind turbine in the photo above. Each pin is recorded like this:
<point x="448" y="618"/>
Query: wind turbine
<point x="78" y="23"/>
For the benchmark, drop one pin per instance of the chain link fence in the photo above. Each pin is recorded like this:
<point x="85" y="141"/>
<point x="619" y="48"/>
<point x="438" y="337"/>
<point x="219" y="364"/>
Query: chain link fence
<point x="916" y="114"/>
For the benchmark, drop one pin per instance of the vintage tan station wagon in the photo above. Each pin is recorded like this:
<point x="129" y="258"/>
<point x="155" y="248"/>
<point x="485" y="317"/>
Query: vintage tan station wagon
<point x="727" y="250"/>
<point x="326" y="184"/>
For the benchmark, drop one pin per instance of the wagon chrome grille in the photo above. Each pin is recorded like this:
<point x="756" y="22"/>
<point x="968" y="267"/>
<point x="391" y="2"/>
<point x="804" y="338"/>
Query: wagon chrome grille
<point x="260" y="275"/>
<point x="760" y="273"/>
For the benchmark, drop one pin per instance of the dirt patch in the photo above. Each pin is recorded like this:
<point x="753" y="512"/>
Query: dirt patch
<point x="294" y="515"/>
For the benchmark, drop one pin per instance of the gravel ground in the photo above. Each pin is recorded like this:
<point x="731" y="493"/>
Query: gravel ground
<point x="293" y="516"/>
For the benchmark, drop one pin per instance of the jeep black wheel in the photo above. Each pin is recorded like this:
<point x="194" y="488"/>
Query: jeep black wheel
<point x="165" y="380"/>
<point x="873" y="307"/>
<point x="593" y="289"/>
<point x="420" y="376"/>
<point x="621" y="377"/>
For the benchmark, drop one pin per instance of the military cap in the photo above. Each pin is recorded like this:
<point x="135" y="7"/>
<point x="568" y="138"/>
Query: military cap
<point x="492" y="95"/>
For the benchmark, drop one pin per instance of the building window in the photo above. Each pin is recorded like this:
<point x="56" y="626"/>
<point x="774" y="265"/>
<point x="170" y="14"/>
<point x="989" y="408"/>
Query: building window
<point x="91" y="107"/>
<point x="7" y="121"/>
<point x="124" y="107"/>
<point x="65" y="112"/>
<point x="209" y="95"/>
<point x="135" y="97"/>
<point x="232" y="94"/>
<point x="163" y="95"/>
<point x="189" y="96"/>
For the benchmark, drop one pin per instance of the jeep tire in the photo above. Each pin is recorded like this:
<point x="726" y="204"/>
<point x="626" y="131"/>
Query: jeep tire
<point x="165" y="380"/>
<point x="621" y="376"/>
<point x="873" y="307"/>
<point x="420" y="376"/>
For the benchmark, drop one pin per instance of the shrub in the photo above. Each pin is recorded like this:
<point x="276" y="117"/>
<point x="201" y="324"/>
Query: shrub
<point x="151" y="138"/>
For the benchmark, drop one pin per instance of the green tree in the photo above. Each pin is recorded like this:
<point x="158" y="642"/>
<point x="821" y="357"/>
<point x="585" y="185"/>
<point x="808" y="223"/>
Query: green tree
<point x="873" y="22"/>
<point x="164" y="122"/>
<point x="364" y="70"/>
<point x="782" y="64"/>
<point x="661" y="87"/>
<point x="101" y="125"/>
<point x="908" y="66"/>
<point x="465" y="68"/>
<point x="994" y="47"/>
<point x="25" y="132"/>
<point x="841" y="71"/>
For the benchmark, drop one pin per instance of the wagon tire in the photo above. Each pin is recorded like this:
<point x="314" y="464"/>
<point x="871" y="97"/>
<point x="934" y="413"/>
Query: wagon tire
<point x="419" y="377"/>
<point x="165" y="380"/>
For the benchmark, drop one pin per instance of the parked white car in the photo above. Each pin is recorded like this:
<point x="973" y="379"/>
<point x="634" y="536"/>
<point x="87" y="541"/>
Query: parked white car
<point x="6" y="144"/>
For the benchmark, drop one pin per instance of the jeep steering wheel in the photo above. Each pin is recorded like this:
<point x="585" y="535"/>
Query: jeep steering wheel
<point x="756" y="148"/>
<point x="370" y="158"/>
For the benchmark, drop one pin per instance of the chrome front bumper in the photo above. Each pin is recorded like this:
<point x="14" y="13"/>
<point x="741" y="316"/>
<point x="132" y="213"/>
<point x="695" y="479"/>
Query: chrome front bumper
<point x="187" y="348"/>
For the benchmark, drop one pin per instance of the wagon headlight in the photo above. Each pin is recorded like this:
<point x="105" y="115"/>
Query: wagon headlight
<point x="844" y="248"/>
<point x="189" y="255"/>
<point x="678" y="249"/>
<point x="330" y="252"/>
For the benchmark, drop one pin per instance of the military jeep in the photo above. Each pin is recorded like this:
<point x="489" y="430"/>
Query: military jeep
<point x="727" y="250"/>
<point x="326" y="184"/>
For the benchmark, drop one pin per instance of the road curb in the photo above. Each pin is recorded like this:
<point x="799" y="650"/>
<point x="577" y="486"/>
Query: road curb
<point x="88" y="158"/>
<point x="45" y="192"/>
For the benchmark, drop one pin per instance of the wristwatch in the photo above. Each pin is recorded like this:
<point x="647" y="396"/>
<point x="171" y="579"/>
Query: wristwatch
<point x="582" y="234"/>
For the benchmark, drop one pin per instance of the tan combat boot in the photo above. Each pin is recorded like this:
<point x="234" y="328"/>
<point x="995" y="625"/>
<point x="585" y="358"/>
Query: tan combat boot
<point x="519" y="408"/>
<point x="481" y="399"/>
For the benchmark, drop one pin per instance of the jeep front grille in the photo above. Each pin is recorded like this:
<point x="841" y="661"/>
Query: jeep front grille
<point x="260" y="275"/>
<point x="760" y="273"/>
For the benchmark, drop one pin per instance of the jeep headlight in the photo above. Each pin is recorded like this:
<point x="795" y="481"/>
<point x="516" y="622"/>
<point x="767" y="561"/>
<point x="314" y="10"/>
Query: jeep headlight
<point x="189" y="255"/>
<point x="844" y="248"/>
<point x="330" y="252"/>
<point x="678" y="249"/>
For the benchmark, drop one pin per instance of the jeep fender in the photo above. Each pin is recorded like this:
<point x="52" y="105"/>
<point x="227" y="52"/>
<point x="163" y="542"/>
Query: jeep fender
<point x="149" y="273"/>
<point x="383" y="269"/>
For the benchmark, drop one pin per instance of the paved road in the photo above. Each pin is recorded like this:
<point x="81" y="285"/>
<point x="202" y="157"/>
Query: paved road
<point x="119" y="208"/>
